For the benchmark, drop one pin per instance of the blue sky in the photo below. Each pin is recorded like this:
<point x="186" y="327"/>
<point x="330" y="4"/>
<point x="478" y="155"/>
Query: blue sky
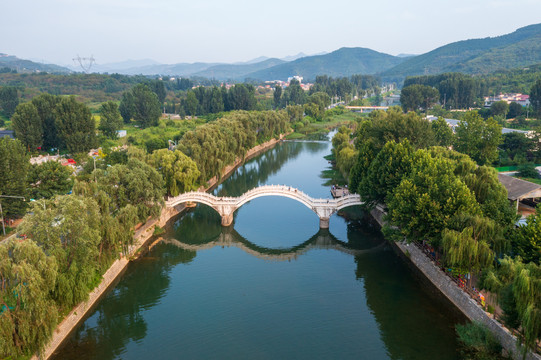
<point x="173" y="31"/>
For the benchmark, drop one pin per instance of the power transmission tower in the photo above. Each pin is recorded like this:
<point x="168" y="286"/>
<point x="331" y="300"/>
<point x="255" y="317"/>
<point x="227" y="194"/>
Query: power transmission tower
<point x="85" y="63"/>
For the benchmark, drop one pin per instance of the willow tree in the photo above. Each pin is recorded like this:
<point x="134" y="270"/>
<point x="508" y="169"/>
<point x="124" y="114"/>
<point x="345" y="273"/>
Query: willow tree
<point x="68" y="228"/>
<point x="179" y="171"/>
<point x="27" y="313"/>
<point x="466" y="251"/>
<point x="524" y="281"/>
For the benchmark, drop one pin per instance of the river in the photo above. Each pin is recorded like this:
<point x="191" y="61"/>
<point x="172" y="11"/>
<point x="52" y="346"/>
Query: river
<point x="272" y="286"/>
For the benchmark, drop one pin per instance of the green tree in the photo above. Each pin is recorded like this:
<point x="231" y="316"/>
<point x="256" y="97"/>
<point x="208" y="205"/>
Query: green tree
<point x="294" y="93"/>
<point x="45" y="105"/>
<point x="515" y="110"/>
<point x="137" y="184"/>
<point x="146" y="106"/>
<point x="386" y="171"/>
<point x="466" y="250"/>
<point x="425" y="201"/>
<point x="27" y="125"/>
<point x="158" y="88"/>
<point x="515" y="143"/>
<point x="499" y="108"/>
<point x="216" y="101"/>
<point x="75" y="125"/>
<point x="411" y="97"/>
<point x="28" y="317"/>
<point x="110" y="120"/>
<point x="14" y="165"/>
<point x="9" y="99"/>
<point x="442" y="132"/>
<point x="277" y="96"/>
<point x="535" y="97"/>
<point x="527" y="238"/>
<point x="191" y="103"/>
<point x="528" y="171"/>
<point x="179" y="171"/>
<point x="68" y="228"/>
<point x="127" y="107"/>
<point x="478" y="138"/>
<point x="384" y="126"/>
<point x="49" y="179"/>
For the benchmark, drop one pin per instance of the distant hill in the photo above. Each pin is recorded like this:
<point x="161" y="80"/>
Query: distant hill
<point x="476" y="56"/>
<point x="22" y="65"/>
<point x="239" y="71"/>
<point x="342" y="62"/>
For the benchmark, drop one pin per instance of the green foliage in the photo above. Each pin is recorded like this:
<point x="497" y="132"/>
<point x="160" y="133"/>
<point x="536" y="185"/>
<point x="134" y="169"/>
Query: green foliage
<point x="110" y="120"/>
<point x="14" y="166"/>
<point x="127" y="107"/>
<point x="27" y="125"/>
<point x="75" y="125"/>
<point x="68" y="228"/>
<point x="294" y="94"/>
<point x="215" y="145"/>
<point x="136" y="184"/>
<point x="9" y="99"/>
<point x="527" y="238"/>
<point x="515" y="143"/>
<point x="315" y="107"/>
<point x="478" y="138"/>
<point x="442" y="132"/>
<point x="528" y="171"/>
<point x="27" y="313"/>
<point x="425" y="201"/>
<point x="179" y="171"/>
<point x="499" y="108"/>
<point x="146" y="106"/>
<point x="535" y="97"/>
<point x="415" y="96"/>
<point x="524" y="280"/>
<point x="515" y="110"/>
<point x="393" y="163"/>
<point x="384" y="126"/>
<point x="467" y="250"/>
<point x="49" y="179"/>
<point x="45" y="104"/>
<point x="478" y="341"/>
<point x="277" y="96"/>
<point x="456" y="90"/>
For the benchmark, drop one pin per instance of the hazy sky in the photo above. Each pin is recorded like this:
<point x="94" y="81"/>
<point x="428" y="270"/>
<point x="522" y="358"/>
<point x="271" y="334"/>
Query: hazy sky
<point x="173" y="31"/>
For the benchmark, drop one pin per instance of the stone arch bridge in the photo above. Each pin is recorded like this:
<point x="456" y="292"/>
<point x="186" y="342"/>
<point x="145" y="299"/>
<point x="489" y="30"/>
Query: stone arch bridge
<point x="226" y="206"/>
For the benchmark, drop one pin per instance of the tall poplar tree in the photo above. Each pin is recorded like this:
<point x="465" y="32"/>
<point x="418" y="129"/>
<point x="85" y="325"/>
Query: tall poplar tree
<point x="27" y="125"/>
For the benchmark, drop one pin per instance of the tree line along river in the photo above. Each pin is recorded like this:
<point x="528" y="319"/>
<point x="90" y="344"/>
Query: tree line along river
<point x="272" y="286"/>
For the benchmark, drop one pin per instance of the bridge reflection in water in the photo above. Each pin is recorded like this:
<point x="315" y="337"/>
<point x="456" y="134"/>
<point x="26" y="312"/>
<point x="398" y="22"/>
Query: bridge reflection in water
<point x="228" y="237"/>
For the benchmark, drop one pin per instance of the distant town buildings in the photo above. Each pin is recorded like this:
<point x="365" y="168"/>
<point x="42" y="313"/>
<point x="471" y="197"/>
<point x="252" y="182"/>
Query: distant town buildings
<point x="521" y="99"/>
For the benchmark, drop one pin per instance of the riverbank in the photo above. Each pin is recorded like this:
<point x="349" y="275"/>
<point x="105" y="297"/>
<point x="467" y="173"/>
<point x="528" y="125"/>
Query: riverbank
<point x="421" y="263"/>
<point x="141" y="237"/>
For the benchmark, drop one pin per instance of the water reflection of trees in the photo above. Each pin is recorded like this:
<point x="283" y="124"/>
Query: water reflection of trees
<point x="406" y="313"/>
<point x="257" y="171"/>
<point x="118" y="318"/>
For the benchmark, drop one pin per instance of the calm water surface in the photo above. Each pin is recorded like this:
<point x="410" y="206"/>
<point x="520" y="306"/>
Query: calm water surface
<point x="272" y="286"/>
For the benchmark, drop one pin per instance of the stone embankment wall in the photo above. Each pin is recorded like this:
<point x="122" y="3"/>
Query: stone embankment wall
<point x="141" y="236"/>
<point x="469" y="307"/>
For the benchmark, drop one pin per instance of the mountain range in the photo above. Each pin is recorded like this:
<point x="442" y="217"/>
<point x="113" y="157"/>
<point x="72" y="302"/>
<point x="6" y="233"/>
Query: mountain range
<point x="475" y="56"/>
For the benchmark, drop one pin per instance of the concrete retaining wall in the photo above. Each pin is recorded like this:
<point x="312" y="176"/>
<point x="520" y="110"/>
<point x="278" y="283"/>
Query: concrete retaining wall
<point x="469" y="307"/>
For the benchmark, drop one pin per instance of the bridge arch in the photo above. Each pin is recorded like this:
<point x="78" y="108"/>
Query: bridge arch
<point x="226" y="206"/>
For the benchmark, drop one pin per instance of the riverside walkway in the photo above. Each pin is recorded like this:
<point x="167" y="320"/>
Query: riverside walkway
<point x="226" y="206"/>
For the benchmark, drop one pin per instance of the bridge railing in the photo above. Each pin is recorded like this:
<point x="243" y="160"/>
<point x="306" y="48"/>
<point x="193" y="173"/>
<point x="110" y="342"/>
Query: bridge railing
<point x="264" y="189"/>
